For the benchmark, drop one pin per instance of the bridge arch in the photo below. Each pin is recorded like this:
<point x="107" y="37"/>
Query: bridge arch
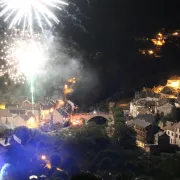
<point x="89" y="116"/>
<point x="100" y="120"/>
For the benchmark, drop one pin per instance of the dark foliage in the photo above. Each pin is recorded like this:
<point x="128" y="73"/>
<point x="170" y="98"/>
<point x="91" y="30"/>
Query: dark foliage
<point x="85" y="176"/>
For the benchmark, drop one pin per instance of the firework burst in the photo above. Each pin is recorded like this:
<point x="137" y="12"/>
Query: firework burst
<point x="30" y="12"/>
<point x="23" y="55"/>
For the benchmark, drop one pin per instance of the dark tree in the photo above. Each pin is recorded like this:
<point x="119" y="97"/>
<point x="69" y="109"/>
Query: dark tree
<point x="85" y="176"/>
<point x="105" y="164"/>
<point x="55" y="160"/>
<point x="23" y="133"/>
<point x="124" y="136"/>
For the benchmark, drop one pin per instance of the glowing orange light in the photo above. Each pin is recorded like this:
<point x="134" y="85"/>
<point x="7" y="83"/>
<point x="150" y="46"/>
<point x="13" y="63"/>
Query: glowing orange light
<point x="51" y="110"/>
<point x="158" y="41"/>
<point x="48" y="165"/>
<point x="43" y="157"/>
<point x="150" y="52"/>
<point x="72" y="80"/>
<point x="67" y="89"/>
<point x="160" y="34"/>
<point x="31" y="123"/>
<point x="76" y="122"/>
<point x="174" y="84"/>
<point x="175" y="34"/>
<point x="59" y="169"/>
<point x="65" y="86"/>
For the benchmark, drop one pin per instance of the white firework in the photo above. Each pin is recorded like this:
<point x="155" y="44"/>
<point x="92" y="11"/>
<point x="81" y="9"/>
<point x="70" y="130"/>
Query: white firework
<point x="30" y="12"/>
<point x="23" y="55"/>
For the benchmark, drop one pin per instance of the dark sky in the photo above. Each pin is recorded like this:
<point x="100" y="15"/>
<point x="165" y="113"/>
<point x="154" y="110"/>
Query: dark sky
<point x="111" y="52"/>
<point x="111" y="26"/>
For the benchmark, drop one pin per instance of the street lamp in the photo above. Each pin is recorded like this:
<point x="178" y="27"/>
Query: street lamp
<point x="43" y="157"/>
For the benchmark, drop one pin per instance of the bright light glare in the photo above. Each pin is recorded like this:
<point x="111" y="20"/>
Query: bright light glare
<point x="28" y="12"/>
<point x="175" y="84"/>
<point x="24" y="55"/>
<point x="31" y="123"/>
<point x="43" y="157"/>
<point x="29" y="55"/>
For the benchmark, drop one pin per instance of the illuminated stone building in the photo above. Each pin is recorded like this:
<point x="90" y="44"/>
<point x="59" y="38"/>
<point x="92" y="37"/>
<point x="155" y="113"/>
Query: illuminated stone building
<point x="143" y="106"/>
<point x="174" y="82"/>
<point x="173" y="131"/>
<point x="145" y="132"/>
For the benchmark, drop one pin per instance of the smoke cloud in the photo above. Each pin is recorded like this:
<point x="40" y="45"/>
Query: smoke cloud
<point x="65" y="59"/>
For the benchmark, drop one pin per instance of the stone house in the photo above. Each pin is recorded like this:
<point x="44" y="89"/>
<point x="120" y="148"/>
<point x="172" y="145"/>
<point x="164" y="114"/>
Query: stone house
<point x="20" y="120"/>
<point x="161" y="143"/>
<point x="165" y="108"/>
<point x="147" y="117"/>
<point x="57" y="116"/>
<point x="162" y="139"/>
<point x="173" y="131"/>
<point x="143" y="106"/>
<point x="145" y="132"/>
<point x="29" y="107"/>
<point x="150" y="106"/>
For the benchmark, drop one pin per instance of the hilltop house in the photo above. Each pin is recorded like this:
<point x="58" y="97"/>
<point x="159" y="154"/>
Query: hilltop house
<point x="174" y="82"/>
<point x="165" y="108"/>
<point x="150" y="106"/>
<point x="143" y="106"/>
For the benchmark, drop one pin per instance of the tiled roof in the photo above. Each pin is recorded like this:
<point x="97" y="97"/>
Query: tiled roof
<point x="163" y="101"/>
<point x="63" y="113"/>
<point x="150" y="103"/>
<point x="174" y="78"/>
<point x="30" y="107"/>
<point x="30" y="114"/>
<point x="169" y="126"/>
<point x="16" y="110"/>
<point x="147" y="117"/>
<point x="5" y="113"/>
<point x="141" y="123"/>
<point x="160" y="133"/>
<point x="143" y="110"/>
<point x="25" y="117"/>
<point x="177" y="125"/>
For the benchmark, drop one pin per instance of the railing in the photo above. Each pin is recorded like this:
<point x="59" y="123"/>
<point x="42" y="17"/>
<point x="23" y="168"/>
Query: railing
<point x="88" y="114"/>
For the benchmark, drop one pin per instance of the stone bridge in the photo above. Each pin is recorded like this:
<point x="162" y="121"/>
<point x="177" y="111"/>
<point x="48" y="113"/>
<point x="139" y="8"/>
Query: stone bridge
<point x="88" y="116"/>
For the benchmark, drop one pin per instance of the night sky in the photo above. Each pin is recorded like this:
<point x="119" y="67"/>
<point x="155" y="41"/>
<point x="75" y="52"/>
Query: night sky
<point x="111" y="53"/>
<point x="111" y="27"/>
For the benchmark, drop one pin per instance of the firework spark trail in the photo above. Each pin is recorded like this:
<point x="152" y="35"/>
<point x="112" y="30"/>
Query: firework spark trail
<point x="29" y="12"/>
